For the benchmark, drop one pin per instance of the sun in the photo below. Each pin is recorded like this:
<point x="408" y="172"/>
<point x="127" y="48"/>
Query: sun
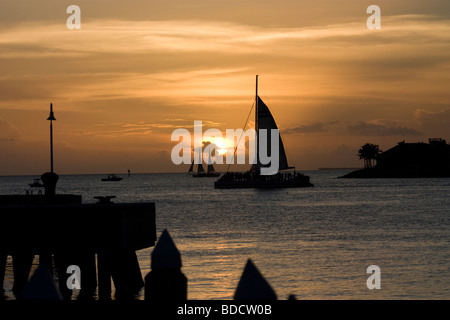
<point x="223" y="146"/>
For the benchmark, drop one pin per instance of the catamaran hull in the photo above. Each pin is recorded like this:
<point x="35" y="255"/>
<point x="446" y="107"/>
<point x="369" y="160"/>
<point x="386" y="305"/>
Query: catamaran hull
<point x="205" y="175"/>
<point x="262" y="184"/>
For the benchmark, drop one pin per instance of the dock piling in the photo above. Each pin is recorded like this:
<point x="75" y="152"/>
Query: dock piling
<point x="126" y="274"/>
<point x="104" y="275"/>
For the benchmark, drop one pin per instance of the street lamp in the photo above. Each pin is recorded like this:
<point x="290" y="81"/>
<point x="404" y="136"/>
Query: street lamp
<point x="50" y="178"/>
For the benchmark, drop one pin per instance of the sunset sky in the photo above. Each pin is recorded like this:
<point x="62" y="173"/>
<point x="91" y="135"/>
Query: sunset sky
<point x="139" y="69"/>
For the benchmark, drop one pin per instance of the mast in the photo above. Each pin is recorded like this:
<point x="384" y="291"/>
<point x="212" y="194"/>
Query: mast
<point x="257" y="127"/>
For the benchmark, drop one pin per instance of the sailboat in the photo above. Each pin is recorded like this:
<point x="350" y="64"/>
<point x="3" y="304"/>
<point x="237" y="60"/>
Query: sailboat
<point x="201" y="173"/>
<point x="253" y="178"/>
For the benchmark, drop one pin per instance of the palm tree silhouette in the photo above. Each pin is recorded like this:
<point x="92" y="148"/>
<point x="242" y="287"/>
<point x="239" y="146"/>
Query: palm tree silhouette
<point x="369" y="152"/>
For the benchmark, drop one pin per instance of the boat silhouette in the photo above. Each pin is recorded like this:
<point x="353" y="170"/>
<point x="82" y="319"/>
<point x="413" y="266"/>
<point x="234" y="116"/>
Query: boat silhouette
<point x="253" y="178"/>
<point x="36" y="184"/>
<point x="112" y="177"/>
<point x="201" y="173"/>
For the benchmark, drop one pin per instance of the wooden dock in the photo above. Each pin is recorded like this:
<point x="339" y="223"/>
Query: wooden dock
<point x="102" y="239"/>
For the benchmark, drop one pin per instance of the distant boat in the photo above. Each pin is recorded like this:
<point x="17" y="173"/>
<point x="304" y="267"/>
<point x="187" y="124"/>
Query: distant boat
<point x="201" y="173"/>
<point x="112" y="177"/>
<point x="36" y="184"/>
<point x="253" y="177"/>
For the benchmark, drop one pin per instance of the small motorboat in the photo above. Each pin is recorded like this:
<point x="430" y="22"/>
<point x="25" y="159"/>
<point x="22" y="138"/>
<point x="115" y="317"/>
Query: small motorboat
<point x="112" y="177"/>
<point x="36" y="184"/>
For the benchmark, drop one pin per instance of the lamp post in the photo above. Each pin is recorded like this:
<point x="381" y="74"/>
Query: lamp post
<point x="50" y="178"/>
<point x="51" y="118"/>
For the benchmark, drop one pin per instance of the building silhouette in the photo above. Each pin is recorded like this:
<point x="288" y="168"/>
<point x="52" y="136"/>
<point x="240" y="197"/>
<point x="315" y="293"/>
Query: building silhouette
<point x="410" y="160"/>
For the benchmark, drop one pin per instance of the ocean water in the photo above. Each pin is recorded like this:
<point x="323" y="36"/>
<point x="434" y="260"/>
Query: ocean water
<point x="314" y="243"/>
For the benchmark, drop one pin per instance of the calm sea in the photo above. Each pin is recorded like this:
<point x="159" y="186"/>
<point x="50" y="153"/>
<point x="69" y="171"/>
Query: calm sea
<point x="315" y="243"/>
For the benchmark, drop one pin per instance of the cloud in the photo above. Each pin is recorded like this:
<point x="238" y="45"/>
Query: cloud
<point x="374" y="129"/>
<point x="142" y="37"/>
<point x="7" y="131"/>
<point x="433" y="117"/>
<point x="142" y="128"/>
<point x="363" y="128"/>
<point x="201" y="59"/>
<point x="436" y="123"/>
<point x="307" y="128"/>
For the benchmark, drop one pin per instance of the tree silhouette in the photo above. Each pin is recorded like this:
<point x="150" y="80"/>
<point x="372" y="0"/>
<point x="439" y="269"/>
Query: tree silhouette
<point x="369" y="152"/>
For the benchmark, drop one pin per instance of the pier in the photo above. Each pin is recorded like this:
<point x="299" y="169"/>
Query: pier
<point x="102" y="239"/>
<point x="99" y="239"/>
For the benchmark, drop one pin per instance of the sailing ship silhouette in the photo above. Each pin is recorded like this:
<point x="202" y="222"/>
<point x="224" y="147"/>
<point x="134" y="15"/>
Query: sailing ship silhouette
<point x="253" y="178"/>
<point x="201" y="173"/>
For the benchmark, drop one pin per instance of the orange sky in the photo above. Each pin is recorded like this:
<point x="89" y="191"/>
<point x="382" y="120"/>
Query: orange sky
<point x="139" y="69"/>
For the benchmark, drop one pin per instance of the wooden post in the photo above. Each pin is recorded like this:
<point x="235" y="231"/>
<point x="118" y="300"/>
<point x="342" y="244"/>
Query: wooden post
<point x="134" y="275"/>
<point x="165" y="282"/>
<point x="61" y="265"/>
<point x="104" y="275"/>
<point x="126" y="274"/>
<point x="86" y="262"/>
<point x="253" y="286"/>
